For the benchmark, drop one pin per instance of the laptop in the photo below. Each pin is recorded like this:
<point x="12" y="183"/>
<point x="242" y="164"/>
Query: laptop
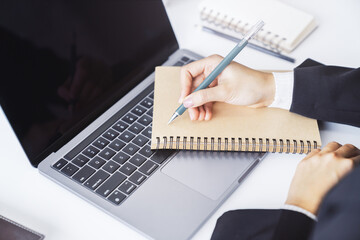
<point x="77" y="88"/>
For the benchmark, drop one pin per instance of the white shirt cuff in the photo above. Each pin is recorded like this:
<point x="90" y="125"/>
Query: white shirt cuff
<point x="284" y="84"/>
<point x="300" y="210"/>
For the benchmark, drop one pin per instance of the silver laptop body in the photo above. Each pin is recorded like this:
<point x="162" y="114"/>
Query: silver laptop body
<point x="179" y="193"/>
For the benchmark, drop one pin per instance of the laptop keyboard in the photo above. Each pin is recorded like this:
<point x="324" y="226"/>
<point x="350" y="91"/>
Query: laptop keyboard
<point x="116" y="158"/>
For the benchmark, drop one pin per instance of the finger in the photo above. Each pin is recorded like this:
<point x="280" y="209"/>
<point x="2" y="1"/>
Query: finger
<point x="203" y="96"/>
<point x="199" y="79"/>
<point x="194" y="113"/>
<point x="348" y="151"/>
<point x="356" y="160"/>
<point x="201" y="113"/>
<point x="208" y="111"/>
<point x="331" y="147"/>
<point x="312" y="153"/>
<point x="192" y="70"/>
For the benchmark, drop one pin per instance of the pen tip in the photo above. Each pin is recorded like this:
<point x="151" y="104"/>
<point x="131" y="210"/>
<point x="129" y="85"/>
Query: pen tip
<point x="172" y="118"/>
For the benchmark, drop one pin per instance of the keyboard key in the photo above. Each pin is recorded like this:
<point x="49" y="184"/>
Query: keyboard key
<point x="120" y="126"/>
<point x="148" y="167"/>
<point x="90" y="151"/>
<point x="98" y="178"/>
<point x="127" y="169"/>
<point x="131" y="149"/>
<point x="97" y="162"/>
<point x="145" y="120"/>
<point x="146" y="151"/>
<point x="150" y="112"/>
<point x="126" y="136"/>
<point x="107" y="153"/>
<point x="80" y="160"/>
<point x="59" y="164"/>
<point x="110" y="184"/>
<point x="138" y="110"/>
<point x="111" y="166"/>
<point x="136" y="128"/>
<point x="121" y="158"/>
<point x="147" y="132"/>
<point x="161" y="155"/>
<point x="137" y="160"/>
<point x="117" y="145"/>
<point x="116" y="197"/>
<point x="178" y="63"/>
<point x="137" y="178"/>
<point x="101" y="143"/>
<point x="127" y="187"/>
<point x="151" y="95"/>
<point x="110" y="134"/>
<point x="129" y="118"/>
<point x="69" y="169"/>
<point x="140" y="140"/>
<point x="147" y="102"/>
<point x="185" y="59"/>
<point x="83" y="174"/>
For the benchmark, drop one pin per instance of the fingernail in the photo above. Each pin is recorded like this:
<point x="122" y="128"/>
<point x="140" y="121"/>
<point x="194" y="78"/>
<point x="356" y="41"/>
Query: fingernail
<point x="207" y="116"/>
<point x="188" y="103"/>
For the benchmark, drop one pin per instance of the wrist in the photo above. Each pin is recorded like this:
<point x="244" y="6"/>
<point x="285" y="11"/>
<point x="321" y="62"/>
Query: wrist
<point x="309" y="205"/>
<point x="269" y="88"/>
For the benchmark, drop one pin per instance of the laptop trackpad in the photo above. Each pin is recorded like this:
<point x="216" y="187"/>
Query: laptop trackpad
<point x="210" y="173"/>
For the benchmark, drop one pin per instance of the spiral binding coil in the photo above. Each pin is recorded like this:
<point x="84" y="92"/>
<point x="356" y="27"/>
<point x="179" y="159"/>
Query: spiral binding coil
<point x="266" y="38"/>
<point x="240" y="144"/>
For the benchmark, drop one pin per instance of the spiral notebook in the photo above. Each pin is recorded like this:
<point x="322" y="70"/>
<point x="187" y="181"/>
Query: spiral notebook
<point x="285" y="26"/>
<point x="232" y="128"/>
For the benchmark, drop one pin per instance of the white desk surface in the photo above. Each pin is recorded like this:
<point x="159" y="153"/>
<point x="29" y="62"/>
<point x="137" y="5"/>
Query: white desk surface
<point x="31" y="199"/>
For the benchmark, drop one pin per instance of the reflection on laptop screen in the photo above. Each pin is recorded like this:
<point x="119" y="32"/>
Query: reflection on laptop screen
<point x="64" y="61"/>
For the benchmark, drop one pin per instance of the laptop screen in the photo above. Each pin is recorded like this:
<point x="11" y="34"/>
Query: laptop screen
<point x="63" y="63"/>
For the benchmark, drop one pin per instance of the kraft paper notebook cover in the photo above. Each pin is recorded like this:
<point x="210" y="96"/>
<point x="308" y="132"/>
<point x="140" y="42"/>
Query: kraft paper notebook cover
<point x="232" y="128"/>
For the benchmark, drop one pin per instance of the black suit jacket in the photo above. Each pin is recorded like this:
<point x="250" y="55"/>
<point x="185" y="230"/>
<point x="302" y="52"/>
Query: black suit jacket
<point x="326" y="93"/>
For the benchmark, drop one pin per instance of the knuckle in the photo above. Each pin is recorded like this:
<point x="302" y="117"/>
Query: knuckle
<point x="335" y="143"/>
<point x="332" y="155"/>
<point x="350" y="146"/>
<point x="315" y="151"/>
<point x="216" y="56"/>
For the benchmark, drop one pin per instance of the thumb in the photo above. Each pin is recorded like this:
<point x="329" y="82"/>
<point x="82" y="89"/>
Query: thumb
<point x="204" y="96"/>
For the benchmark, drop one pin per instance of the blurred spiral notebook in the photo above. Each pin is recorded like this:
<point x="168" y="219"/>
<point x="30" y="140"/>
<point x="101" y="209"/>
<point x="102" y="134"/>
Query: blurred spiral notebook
<point x="285" y="26"/>
<point x="232" y="128"/>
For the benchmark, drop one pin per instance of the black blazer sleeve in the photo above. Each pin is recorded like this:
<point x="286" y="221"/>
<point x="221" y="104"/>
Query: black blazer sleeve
<point x="293" y="225"/>
<point x="263" y="224"/>
<point x="327" y="93"/>
<point x="254" y="224"/>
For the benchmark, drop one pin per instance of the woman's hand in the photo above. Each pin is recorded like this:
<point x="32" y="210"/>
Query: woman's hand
<point x="237" y="85"/>
<point x="318" y="172"/>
